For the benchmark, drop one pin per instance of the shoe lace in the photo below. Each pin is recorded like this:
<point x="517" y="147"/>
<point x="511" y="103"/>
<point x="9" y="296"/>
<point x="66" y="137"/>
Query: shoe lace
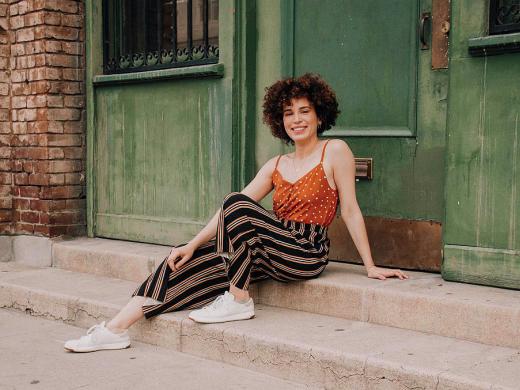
<point x="92" y="329"/>
<point x="216" y="304"/>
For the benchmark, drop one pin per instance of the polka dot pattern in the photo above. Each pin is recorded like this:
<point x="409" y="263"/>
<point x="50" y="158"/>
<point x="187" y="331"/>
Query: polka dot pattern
<point x="309" y="200"/>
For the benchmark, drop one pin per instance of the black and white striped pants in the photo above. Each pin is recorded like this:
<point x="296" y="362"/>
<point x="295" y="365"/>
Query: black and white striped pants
<point x="259" y="246"/>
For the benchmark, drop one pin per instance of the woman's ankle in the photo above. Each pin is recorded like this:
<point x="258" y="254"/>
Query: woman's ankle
<point x="115" y="329"/>
<point x="239" y="294"/>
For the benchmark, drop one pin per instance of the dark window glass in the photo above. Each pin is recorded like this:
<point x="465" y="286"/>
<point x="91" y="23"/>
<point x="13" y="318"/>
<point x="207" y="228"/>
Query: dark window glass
<point x="504" y="16"/>
<point x="154" y="34"/>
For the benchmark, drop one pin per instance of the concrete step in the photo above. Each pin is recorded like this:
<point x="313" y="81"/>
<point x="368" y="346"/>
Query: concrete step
<point x="424" y="303"/>
<point x="308" y="348"/>
<point x="33" y="357"/>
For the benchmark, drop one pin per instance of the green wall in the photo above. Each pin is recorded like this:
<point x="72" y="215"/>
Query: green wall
<point x="481" y="236"/>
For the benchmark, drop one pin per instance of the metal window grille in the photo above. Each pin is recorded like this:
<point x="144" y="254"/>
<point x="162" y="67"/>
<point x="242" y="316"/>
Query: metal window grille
<point x="504" y="16"/>
<point x="141" y="35"/>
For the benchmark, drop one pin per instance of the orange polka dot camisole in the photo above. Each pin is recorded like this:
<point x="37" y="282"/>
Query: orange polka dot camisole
<point x="310" y="199"/>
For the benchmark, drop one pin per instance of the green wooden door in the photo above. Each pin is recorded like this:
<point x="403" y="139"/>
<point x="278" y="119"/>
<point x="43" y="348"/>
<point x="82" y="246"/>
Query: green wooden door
<point x="393" y="104"/>
<point x="163" y="144"/>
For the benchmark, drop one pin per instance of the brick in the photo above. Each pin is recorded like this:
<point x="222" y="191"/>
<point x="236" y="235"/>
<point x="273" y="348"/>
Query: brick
<point x="4" y="51"/>
<point x="5" y="140"/>
<point x="17" y="166"/>
<point x="5" y="190"/>
<point x="65" y="87"/>
<point x="74" y="153"/>
<point x="62" y="192"/>
<point x="26" y="114"/>
<point x="19" y="102"/>
<point x="4" y="102"/>
<point x="45" y="179"/>
<point x="18" y="76"/>
<point x="57" y="154"/>
<point x="64" y="33"/>
<point x="22" y="204"/>
<point x="35" y="47"/>
<point x="19" y="127"/>
<point x="6" y="215"/>
<point x="64" y="166"/>
<point x="64" y="114"/>
<point x="25" y="34"/>
<point x="20" y="89"/>
<point x="5" y="152"/>
<point x="31" y="153"/>
<point x="30" y="216"/>
<point x="6" y="203"/>
<point x="18" y="49"/>
<point x="75" y="101"/>
<point x="55" y="101"/>
<point x="5" y="165"/>
<point x="72" y="20"/>
<point x="36" y="101"/>
<point x="34" y="18"/>
<point x="6" y="178"/>
<point x="23" y="7"/>
<point x="16" y="22"/>
<point x="76" y="48"/>
<point x="76" y="204"/>
<point x="4" y="115"/>
<point x="21" y="227"/>
<point x="3" y="9"/>
<point x="21" y="179"/>
<point x="6" y="228"/>
<point x="40" y="87"/>
<point x="64" y="140"/>
<point x="40" y="126"/>
<point x="53" y="18"/>
<point x="66" y="218"/>
<point x="5" y="127"/>
<point x="42" y="230"/>
<point x="48" y="205"/>
<point x="4" y="89"/>
<point x="13" y="9"/>
<point x="55" y="127"/>
<point x="27" y="191"/>
<point x="74" y="178"/>
<point x="67" y="6"/>
<point x="63" y="60"/>
<point x="74" y="127"/>
<point x="53" y="46"/>
<point x="73" y="74"/>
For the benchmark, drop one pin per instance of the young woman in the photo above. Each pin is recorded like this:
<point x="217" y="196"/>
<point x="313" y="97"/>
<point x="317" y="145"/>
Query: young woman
<point x="244" y="243"/>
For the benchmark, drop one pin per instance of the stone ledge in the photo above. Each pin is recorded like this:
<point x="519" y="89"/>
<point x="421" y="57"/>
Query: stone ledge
<point x="308" y="348"/>
<point x="424" y="303"/>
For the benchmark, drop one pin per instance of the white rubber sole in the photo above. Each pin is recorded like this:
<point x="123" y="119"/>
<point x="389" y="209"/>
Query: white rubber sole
<point x="99" y="348"/>
<point x="214" y="320"/>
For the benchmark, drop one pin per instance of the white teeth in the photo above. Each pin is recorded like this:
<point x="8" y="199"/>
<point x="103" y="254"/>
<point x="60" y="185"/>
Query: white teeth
<point x="298" y="128"/>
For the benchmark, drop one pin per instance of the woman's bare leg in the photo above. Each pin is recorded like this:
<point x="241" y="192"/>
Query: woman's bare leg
<point x="128" y="315"/>
<point x="239" y="294"/>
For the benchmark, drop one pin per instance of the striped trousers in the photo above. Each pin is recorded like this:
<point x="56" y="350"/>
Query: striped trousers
<point x="251" y="245"/>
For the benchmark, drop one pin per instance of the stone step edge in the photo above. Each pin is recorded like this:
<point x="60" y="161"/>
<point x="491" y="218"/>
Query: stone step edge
<point x="350" y="298"/>
<point x="172" y="331"/>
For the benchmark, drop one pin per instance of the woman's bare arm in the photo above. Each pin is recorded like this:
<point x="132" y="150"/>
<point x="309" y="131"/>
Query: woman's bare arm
<point x="344" y="171"/>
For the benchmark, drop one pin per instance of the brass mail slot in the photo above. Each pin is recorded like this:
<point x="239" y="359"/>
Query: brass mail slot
<point x="364" y="168"/>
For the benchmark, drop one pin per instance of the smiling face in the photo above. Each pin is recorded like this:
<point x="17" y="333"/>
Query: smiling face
<point x="300" y="119"/>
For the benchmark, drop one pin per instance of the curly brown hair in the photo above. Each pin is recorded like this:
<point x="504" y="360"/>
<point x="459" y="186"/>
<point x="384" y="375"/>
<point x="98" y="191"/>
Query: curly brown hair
<point x="310" y="86"/>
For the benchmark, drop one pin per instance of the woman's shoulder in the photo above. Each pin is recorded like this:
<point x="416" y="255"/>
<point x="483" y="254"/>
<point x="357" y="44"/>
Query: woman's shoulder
<point x="338" y="151"/>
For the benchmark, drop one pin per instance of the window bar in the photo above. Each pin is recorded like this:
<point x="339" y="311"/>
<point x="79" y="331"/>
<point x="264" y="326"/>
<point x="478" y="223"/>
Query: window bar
<point x="106" y="39"/>
<point x="174" y="31"/>
<point x="205" y="28"/>
<point x="190" y="32"/>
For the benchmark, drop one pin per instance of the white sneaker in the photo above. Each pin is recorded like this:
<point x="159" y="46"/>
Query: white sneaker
<point x="99" y="337"/>
<point x="224" y="309"/>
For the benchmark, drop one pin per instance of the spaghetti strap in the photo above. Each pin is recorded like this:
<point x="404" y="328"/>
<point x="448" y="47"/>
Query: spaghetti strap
<point x="323" y="152"/>
<point x="277" y="161"/>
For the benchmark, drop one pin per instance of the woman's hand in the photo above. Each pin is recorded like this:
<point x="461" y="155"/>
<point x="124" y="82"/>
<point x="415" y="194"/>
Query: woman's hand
<point x="383" y="273"/>
<point x="179" y="256"/>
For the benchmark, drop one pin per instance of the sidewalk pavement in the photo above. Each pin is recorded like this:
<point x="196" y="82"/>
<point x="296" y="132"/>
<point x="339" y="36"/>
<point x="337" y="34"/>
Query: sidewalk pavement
<point x="32" y="357"/>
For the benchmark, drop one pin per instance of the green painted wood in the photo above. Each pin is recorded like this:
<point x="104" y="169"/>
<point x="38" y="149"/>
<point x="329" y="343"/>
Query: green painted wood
<point x="487" y="266"/>
<point x="163" y="148"/>
<point x="212" y="70"/>
<point x="368" y="51"/>
<point x="494" y="44"/>
<point x="483" y="157"/>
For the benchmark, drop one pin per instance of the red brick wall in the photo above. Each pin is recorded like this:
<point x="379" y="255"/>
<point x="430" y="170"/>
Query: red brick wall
<point x="45" y="138"/>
